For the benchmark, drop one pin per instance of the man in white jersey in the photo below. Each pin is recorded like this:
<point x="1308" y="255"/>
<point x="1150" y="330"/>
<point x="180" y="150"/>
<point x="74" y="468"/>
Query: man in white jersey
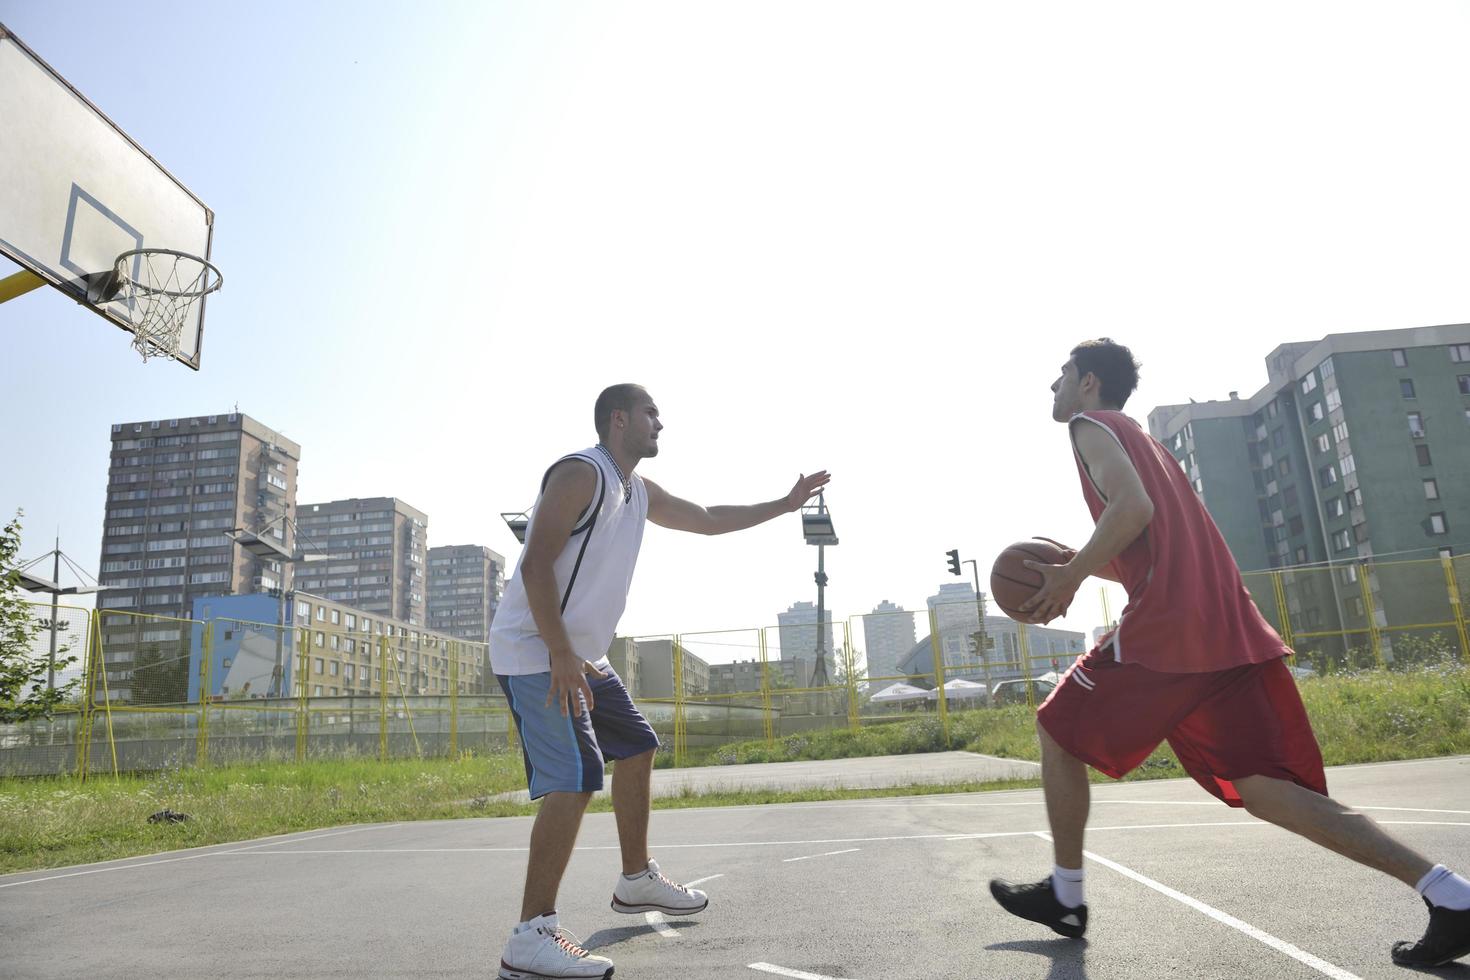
<point x="548" y="648"/>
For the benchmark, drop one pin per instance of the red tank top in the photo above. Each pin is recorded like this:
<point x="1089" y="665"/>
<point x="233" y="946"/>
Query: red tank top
<point x="1188" y="609"/>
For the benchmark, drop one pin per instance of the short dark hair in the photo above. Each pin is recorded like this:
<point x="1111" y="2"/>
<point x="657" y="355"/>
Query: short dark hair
<point x="1112" y="363"/>
<point x="618" y="398"/>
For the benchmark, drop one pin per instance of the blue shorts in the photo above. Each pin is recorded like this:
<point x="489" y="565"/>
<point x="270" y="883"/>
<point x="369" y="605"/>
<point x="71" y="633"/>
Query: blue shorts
<point x="567" y="754"/>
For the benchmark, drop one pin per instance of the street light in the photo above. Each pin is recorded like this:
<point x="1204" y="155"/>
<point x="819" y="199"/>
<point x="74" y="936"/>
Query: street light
<point x="260" y="546"/>
<point x="53" y="588"/>
<point x="816" y="527"/>
<point x="517" y="524"/>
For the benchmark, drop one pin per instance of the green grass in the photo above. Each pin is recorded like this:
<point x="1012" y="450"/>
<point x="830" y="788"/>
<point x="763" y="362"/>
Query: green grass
<point x="51" y="822"/>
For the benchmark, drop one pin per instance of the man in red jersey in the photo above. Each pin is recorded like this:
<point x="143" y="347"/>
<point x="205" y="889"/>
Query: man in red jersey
<point x="1191" y="661"/>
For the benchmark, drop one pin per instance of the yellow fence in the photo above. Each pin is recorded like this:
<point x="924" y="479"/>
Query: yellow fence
<point x="152" y="692"/>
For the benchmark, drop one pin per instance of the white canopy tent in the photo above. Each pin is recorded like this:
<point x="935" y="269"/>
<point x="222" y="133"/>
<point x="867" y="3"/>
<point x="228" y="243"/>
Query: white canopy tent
<point x="958" y="688"/>
<point x="899" y="692"/>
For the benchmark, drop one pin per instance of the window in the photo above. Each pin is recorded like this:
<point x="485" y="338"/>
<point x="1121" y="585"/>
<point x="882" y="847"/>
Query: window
<point x="321" y="614"/>
<point x="1334" y="400"/>
<point x="1355" y="497"/>
<point x="1356" y="605"/>
<point x="303" y="609"/>
<point x="333" y="668"/>
<point x="1406" y="387"/>
<point x="1323" y="443"/>
<point x="1327" y="476"/>
<point x="1431" y="490"/>
<point x="1315" y="412"/>
<point x="336" y="617"/>
<point x="1294" y="526"/>
<point x="1463" y="380"/>
<point x="1437" y="524"/>
<point x="1309" y="384"/>
<point x="1399" y="359"/>
<point x="1348" y="465"/>
<point x="1301" y="556"/>
<point x="321" y="639"/>
<point x="1271" y="410"/>
<point x="317" y="692"/>
<point x="1347" y="574"/>
<point x="1339" y="431"/>
<point x="1422" y="451"/>
<point x="1326" y="369"/>
<point x="1283" y="466"/>
<point x="1340" y="540"/>
<point x="1459" y="353"/>
<point x="1447" y="552"/>
<point x="1360" y="533"/>
<point x="1288" y="497"/>
<point x="1416" y="425"/>
<point x="1336" y="507"/>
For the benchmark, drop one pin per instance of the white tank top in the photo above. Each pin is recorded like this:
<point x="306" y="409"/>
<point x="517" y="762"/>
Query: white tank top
<point x="593" y="574"/>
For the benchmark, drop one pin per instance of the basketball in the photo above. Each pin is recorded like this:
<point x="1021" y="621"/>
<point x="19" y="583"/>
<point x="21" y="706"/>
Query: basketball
<point x="1012" y="583"/>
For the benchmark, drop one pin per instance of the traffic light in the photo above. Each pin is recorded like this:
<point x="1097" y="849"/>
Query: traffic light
<point x="954" y="561"/>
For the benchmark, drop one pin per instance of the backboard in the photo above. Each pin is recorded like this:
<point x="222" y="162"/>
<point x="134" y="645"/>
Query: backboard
<point x="76" y="191"/>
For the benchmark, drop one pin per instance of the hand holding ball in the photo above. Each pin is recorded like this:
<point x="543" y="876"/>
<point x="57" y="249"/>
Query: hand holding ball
<point x="1012" y="583"/>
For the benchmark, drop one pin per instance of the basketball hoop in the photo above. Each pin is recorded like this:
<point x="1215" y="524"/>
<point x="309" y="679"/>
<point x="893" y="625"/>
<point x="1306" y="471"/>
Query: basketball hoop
<point x="159" y="286"/>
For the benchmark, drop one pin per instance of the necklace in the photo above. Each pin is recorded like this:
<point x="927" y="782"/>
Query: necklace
<point x="627" y="486"/>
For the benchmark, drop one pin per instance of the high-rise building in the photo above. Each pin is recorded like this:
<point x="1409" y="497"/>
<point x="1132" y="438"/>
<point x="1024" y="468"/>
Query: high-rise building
<point x="1358" y="446"/>
<point x="376" y="548"/>
<point x="798" y="632"/>
<point x="174" y="487"/>
<point x="957" y="616"/>
<point x="888" y="636"/>
<point x="465" y="585"/>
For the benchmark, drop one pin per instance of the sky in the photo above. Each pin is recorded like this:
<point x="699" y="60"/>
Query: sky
<point x="852" y="236"/>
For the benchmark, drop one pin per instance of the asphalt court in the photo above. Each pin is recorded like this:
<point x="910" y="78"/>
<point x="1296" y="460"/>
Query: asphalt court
<point x="1178" y="885"/>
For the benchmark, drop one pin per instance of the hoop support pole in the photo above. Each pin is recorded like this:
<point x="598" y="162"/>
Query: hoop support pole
<point x="19" y="284"/>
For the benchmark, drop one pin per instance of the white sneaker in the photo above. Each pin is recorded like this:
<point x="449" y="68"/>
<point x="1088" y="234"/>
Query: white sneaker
<point x="652" y="892"/>
<point x="545" y="951"/>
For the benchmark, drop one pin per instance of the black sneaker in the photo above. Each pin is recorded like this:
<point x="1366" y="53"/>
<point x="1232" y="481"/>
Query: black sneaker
<point x="1447" y="939"/>
<point x="1038" y="903"/>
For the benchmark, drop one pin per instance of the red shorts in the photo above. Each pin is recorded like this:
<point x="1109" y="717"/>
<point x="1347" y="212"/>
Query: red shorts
<point x="1223" y="725"/>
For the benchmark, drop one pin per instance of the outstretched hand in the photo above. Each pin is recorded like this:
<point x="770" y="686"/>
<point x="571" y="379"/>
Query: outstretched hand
<point x="805" y="488"/>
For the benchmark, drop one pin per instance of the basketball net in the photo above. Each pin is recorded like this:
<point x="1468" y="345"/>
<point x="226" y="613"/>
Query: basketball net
<point x="160" y="287"/>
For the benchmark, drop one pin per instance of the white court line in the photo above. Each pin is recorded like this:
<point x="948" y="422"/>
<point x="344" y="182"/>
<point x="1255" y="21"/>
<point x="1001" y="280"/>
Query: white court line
<point x="782" y="971"/>
<point x="191" y="857"/>
<point x="700" y="881"/>
<point x="1251" y="822"/>
<point x="656" y="919"/>
<point x="1280" y="945"/>
<point x="808" y="857"/>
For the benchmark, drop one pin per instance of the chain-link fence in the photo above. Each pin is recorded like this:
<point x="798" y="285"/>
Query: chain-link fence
<point x="151" y="692"/>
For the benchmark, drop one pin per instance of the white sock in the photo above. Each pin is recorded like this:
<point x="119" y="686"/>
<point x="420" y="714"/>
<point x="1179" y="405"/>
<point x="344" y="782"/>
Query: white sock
<point x="523" y="926"/>
<point x="1066" y="884"/>
<point x="1444" y="888"/>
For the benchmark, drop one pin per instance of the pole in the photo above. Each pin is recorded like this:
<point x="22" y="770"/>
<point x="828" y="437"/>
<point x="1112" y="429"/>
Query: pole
<point x="55" y="611"/>
<point x="819" y="673"/>
<point x="980" y="634"/>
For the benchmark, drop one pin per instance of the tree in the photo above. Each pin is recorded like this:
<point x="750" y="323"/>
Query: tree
<point x="20" y="667"/>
